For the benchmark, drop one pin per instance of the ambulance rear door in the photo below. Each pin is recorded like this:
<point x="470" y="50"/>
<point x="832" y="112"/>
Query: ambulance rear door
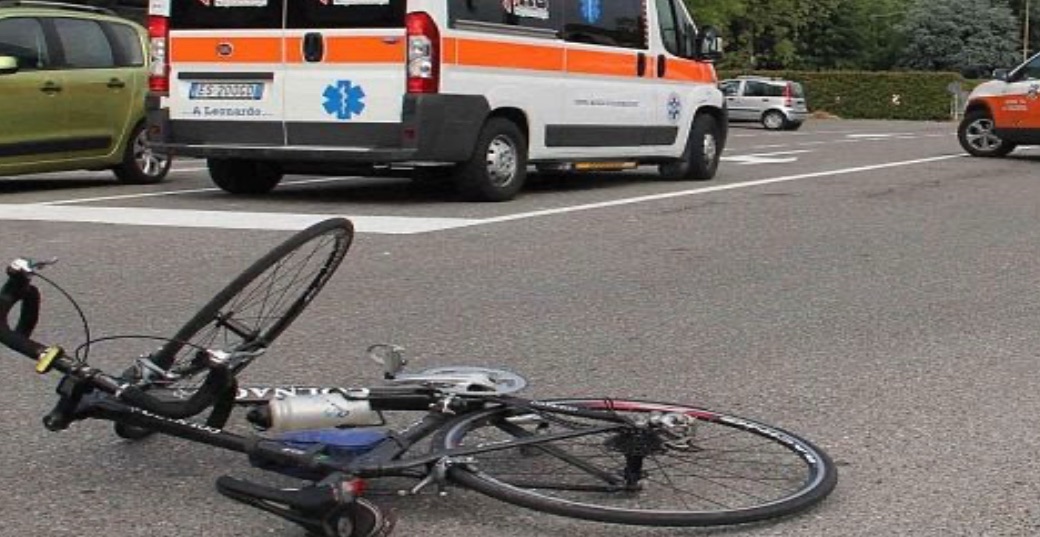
<point x="345" y="72"/>
<point x="226" y="72"/>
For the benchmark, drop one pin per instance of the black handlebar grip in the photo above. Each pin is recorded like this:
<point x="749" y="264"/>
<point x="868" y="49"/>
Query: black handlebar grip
<point x="18" y="290"/>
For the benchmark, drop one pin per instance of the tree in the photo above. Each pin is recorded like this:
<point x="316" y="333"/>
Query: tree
<point x="804" y="34"/>
<point x="959" y="35"/>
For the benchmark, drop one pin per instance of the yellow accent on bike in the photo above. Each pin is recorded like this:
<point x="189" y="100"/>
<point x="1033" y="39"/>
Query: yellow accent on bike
<point x="46" y="359"/>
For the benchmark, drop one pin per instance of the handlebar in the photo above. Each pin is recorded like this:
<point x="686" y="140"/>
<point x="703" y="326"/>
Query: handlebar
<point x="18" y="289"/>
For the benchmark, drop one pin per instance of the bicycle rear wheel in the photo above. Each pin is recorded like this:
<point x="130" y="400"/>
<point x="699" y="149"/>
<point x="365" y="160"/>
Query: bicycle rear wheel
<point x="258" y="305"/>
<point x="710" y="469"/>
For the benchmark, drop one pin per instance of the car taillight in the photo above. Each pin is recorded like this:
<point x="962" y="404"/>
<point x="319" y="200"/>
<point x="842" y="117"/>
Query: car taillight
<point x="159" y="66"/>
<point x="424" y="53"/>
<point x="788" y="95"/>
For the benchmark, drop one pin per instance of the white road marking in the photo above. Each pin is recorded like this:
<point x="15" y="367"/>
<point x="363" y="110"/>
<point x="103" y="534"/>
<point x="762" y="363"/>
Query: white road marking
<point x="876" y="135"/>
<point x="711" y="189"/>
<point x="187" y="191"/>
<point x="392" y="225"/>
<point x="373" y="224"/>
<point x="777" y="157"/>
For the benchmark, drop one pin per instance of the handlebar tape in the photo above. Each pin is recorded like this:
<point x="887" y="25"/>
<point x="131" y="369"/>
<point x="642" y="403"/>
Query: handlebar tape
<point x="216" y="382"/>
<point x="18" y="290"/>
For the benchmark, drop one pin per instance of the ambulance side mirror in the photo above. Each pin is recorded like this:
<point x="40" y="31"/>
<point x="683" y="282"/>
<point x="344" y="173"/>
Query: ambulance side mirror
<point x="1001" y="74"/>
<point x="708" y="45"/>
<point x="8" y="65"/>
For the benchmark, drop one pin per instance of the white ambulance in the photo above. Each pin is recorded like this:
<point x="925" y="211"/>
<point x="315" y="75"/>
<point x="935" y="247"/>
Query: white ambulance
<point x="476" y="89"/>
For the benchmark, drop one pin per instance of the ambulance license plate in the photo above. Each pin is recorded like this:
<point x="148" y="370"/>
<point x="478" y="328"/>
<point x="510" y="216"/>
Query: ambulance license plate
<point x="232" y="91"/>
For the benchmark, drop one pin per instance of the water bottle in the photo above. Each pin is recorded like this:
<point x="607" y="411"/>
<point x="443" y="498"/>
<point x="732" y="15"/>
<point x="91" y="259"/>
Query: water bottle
<point x="318" y="411"/>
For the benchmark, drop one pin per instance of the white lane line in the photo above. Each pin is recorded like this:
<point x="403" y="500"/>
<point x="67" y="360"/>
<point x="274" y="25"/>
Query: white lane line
<point x="187" y="191"/>
<point x="374" y="224"/>
<point x="222" y="219"/>
<point x="711" y="189"/>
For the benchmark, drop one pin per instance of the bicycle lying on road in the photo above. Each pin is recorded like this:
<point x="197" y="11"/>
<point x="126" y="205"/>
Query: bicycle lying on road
<point x="601" y="459"/>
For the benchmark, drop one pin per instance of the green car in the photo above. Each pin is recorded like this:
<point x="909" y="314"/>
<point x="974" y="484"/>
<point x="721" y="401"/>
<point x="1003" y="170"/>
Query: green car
<point x="73" y="81"/>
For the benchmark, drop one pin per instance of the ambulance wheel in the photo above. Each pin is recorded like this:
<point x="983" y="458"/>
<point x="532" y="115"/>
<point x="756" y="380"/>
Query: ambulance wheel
<point x="977" y="137"/>
<point x="701" y="157"/>
<point x="498" y="168"/>
<point x="244" y="176"/>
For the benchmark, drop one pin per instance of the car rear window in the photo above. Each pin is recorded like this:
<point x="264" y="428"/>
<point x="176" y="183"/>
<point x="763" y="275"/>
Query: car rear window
<point x="226" y="14"/>
<point x="345" y="14"/>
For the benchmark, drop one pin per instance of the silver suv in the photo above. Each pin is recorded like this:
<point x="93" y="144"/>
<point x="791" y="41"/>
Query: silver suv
<point x="777" y="104"/>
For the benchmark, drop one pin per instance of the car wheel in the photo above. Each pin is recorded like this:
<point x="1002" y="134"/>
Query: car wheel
<point x="244" y="176"/>
<point x="700" y="159"/>
<point x="977" y="136"/>
<point x="497" y="169"/>
<point x="141" y="165"/>
<point x="774" y="120"/>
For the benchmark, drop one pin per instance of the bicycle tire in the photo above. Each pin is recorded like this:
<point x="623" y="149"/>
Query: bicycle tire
<point x="233" y="324"/>
<point x="495" y="473"/>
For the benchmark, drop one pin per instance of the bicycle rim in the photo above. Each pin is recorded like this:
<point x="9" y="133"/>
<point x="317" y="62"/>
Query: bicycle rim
<point x="258" y="305"/>
<point x="722" y="470"/>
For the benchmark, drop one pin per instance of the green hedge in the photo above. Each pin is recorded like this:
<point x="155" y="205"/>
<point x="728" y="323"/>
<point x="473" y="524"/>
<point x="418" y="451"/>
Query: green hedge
<point x="870" y="95"/>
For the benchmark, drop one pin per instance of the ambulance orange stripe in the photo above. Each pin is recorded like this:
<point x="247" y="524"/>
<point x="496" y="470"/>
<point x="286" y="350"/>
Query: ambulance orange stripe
<point x="479" y="53"/>
<point x="592" y="62"/>
<point x="341" y="49"/>
<point x="243" y="49"/>
<point x="449" y="50"/>
<point x="690" y="71"/>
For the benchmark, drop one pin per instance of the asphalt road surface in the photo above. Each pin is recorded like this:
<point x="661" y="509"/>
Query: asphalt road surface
<point x="861" y="283"/>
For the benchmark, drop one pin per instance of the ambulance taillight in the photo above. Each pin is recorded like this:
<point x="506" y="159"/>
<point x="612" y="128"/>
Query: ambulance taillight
<point x="424" y="53"/>
<point x="159" y="68"/>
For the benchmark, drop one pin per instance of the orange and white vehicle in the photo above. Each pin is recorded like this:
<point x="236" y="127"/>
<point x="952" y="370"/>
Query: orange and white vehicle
<point x="472" y="89"/>
<point x="1003" y="113"/>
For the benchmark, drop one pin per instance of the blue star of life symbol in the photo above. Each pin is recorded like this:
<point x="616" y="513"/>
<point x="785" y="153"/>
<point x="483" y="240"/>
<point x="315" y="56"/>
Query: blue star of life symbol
<point x="674" y="107"/>
<point x="591" y="10"/>
<point x="344" y="100"/>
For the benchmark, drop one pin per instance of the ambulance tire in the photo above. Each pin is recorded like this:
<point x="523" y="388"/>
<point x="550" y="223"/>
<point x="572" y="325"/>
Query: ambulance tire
<point x="701" y="157"/>
<point x="497" y="169"/>
<point x="244" y="176"/>
<point x="977" y="137"/>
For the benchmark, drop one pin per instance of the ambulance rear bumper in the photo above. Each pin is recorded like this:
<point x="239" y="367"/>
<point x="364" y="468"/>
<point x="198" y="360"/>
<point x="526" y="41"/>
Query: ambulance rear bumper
<point x="434" y="128"/>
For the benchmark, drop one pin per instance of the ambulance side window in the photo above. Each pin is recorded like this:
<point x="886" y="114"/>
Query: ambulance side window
<point x="619" y="23"/>
<point x="537" y="14"/>
<point x="677" y="32"/>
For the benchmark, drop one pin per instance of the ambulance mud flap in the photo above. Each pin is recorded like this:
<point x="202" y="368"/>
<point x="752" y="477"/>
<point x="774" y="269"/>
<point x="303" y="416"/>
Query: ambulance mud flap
<point x="443" y="128"/>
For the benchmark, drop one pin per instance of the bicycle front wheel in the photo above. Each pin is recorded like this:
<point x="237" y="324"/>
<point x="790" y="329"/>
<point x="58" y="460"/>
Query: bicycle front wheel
<point x="695" y="468"/>
<point x="258" y="305"/>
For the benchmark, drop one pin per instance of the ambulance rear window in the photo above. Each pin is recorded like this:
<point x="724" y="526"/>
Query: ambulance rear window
<point x="346" y="14"/>
<point x="226" y="14"/>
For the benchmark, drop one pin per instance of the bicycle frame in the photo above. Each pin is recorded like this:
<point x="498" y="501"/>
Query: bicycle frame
<point x="384" y="460"/>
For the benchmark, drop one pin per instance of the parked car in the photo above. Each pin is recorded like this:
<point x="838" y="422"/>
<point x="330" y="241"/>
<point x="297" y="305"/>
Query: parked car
<point x="73" y="81"/>
<point x="778" y="104"/>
